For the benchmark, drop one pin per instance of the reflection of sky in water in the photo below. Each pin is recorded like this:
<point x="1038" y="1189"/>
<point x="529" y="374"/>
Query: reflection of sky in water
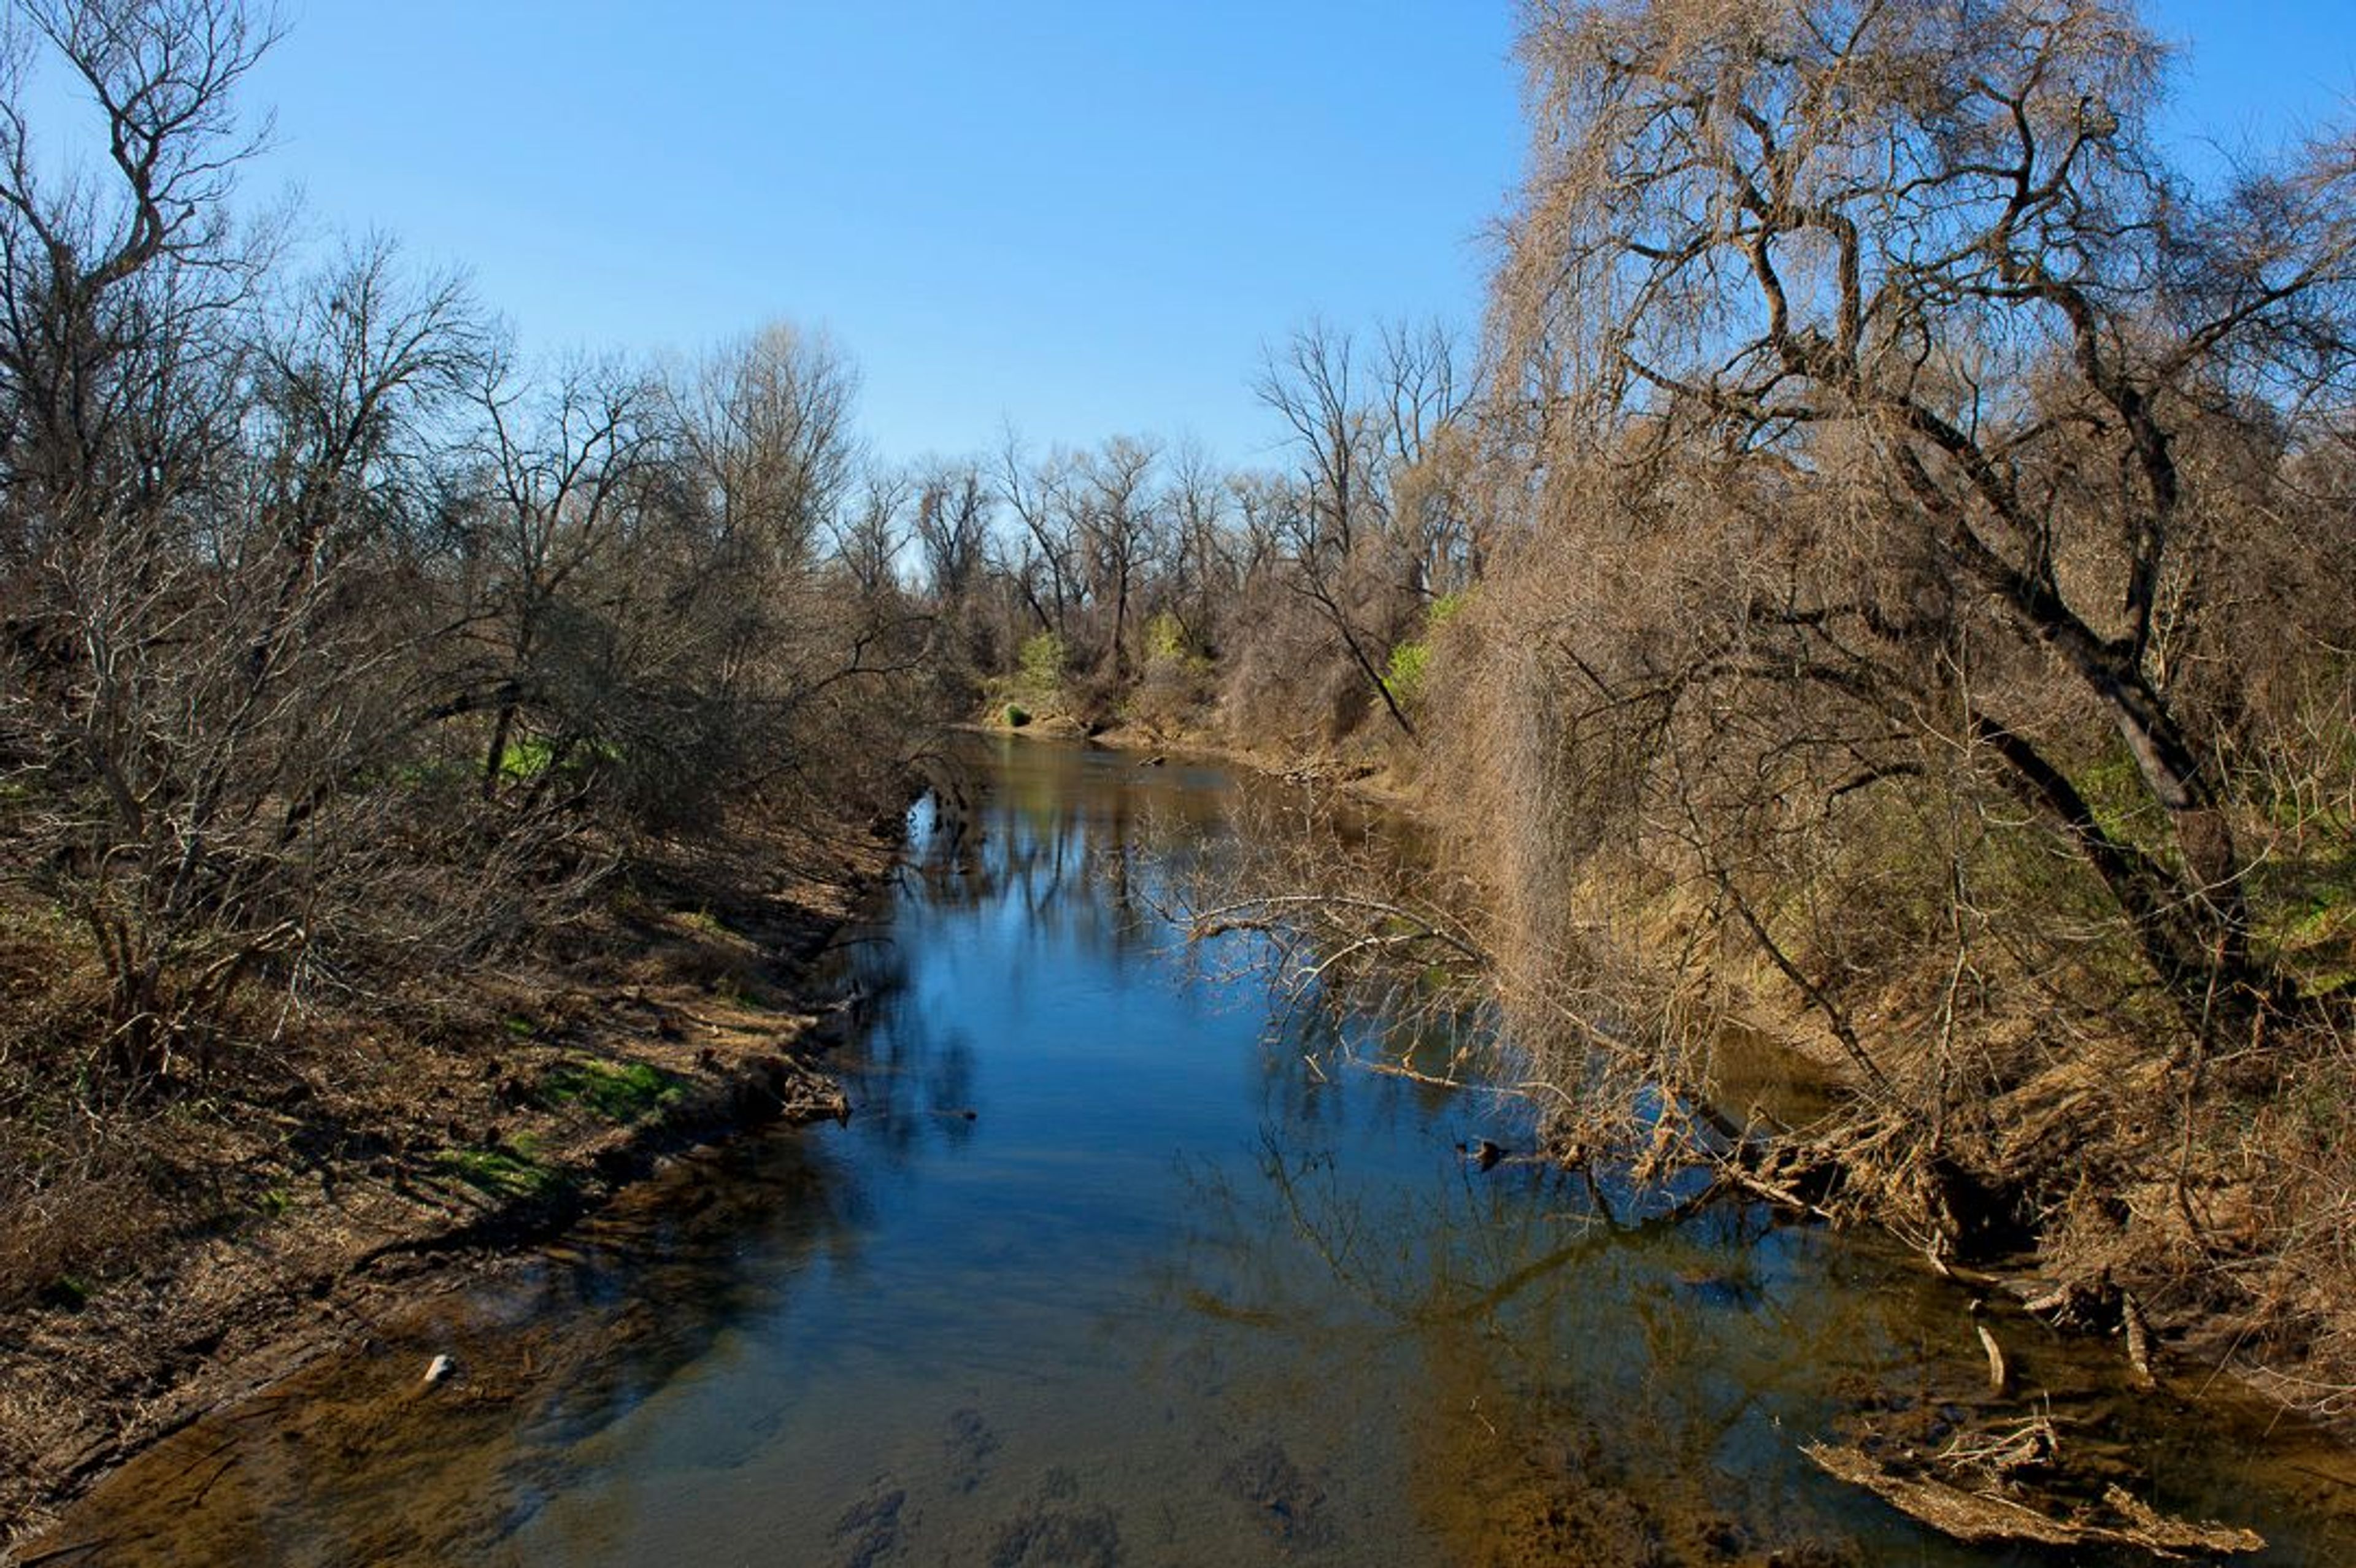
<point x="1099" y="1271"/>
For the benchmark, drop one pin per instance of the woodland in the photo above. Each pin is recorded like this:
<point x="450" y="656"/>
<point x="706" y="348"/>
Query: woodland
<point x="1880" y="579"/>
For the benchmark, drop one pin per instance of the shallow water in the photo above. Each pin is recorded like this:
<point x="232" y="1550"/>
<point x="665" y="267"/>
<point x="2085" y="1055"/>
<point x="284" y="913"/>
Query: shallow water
<point x="1104" y="1270"/>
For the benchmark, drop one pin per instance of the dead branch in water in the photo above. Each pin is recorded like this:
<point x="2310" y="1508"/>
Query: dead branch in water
<point x="2024" y="1444"/>
<point x="1984" y="1516"/>
<point x="1276" y="913"/>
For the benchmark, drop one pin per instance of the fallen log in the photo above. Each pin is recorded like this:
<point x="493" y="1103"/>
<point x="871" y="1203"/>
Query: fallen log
<point x="1981" y="1517"/>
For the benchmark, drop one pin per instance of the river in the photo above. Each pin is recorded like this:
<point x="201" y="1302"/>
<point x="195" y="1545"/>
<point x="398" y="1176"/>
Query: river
<point x="1111" y="1266"/>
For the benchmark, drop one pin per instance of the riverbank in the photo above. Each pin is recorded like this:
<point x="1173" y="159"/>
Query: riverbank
<point x="1369" y="780"/>
<point x="397" y="1151"/>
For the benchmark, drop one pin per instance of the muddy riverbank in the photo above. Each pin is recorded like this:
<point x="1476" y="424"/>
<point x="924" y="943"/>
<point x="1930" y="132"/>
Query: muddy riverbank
<point x="396" y="1158"/>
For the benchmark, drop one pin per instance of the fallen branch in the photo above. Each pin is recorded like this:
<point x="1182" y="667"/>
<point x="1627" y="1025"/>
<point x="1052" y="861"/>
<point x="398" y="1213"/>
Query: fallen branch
<point x="1393" y="1070"/>
<point x="2000" y="1452"/>
<point x="1980" y="1517"/>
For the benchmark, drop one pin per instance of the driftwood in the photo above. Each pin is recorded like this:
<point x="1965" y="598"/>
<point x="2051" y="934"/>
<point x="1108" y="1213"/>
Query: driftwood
<point x="1999" y="1375"/>
<point x="1988" y="1516"/>
<point x="1393" y="1070"/>
<point x="2000" y="1453"/>
<point x="2082" y="1307"/>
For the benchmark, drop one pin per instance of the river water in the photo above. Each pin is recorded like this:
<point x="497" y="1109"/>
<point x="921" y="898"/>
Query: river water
<point x="1111" y="1266"/>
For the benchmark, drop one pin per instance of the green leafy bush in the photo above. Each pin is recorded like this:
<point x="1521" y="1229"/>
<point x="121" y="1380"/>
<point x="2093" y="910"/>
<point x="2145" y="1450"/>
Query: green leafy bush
<point x="1411" y="662"/>
<point x="1044" y="658"/>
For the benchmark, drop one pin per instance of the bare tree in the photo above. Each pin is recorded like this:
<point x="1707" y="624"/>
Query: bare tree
<point x="952" y="528"/>
<point x="1911" y="274"/>
<point x="1120" y="525"/>
<point x="765" y="427"/>
<point x="333" y="648"/>
<point x="870" y="534"/>
<point x="1205" y="566"/>
<point x="561" y="476"/>
<point x="1430" y="451"/>
<point x="214" y="545"/>
<point x="1336" y="534"/>
<point x="1038" y="494"/>
<point x="115" y="284"/>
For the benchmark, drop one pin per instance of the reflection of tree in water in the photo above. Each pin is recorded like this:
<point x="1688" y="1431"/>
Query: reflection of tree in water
<point x="1608" y="1374"/>
<point x="356" y="1460"/>
<point x="1362" y="942"/>
<point x="906" y="1076"/>
<point x="1081" y="841"/>
<point x="999" y="846"/>
<point x="1049" y="847"/>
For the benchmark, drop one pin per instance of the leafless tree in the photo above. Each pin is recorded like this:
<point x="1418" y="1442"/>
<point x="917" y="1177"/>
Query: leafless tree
<point x="217" y="544"/>
<point x="1205" y="564"/>
<point x="1117" y="517"/>
<point x="869" y="536"/>
<point x="562" y="475"/>
<point x="116" y="282"/>
<point x="1337" y="534"/>
<point x="1047" y="567"/>
<point x="1911" y="277"/>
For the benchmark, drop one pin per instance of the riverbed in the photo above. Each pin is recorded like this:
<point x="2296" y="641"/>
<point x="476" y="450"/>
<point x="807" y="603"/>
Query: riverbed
<point x="1120" y="1259"/>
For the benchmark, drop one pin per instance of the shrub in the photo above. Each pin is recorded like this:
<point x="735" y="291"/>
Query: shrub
<point x="1404" y="679"/>
<point x="1166" y="642"/>
<point x="1411" y="662"/>
<point x="1042" y="663"/>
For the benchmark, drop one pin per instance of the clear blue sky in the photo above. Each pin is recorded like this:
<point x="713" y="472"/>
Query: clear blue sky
<point x="1083" y="215"/>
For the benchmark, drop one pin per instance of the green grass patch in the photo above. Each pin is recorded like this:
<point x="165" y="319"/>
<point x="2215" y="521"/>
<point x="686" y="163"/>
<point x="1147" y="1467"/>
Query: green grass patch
<point x="2123" y="807"/>
<point x="616" y="1091"/>
<point x="2304" y="912"/>
<point x="524" y="761"/>
<point x="68" y="1293"/>
<point x="704" y="923"/>
<point x="503" y="1171"/>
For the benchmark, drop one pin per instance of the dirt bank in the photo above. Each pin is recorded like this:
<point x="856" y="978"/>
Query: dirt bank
<point x="392" y="1153"/>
